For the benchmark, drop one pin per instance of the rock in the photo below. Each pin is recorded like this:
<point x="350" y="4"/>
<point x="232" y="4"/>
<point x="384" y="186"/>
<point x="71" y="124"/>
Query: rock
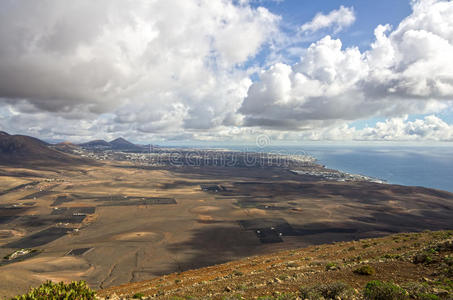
<point x="419" y="258"/>
<point x="446" y="246"/>
<point x="278" y="280"/>
<point x="441" y="292"/>
<point x="228" y="289"/>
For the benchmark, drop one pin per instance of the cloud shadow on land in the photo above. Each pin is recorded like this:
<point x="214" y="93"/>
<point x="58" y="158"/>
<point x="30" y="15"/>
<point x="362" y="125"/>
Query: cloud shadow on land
<point x="211" y="245"/>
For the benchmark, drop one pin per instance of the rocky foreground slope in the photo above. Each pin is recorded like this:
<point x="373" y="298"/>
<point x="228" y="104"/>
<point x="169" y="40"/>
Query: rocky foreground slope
<point x="412" y="265"/>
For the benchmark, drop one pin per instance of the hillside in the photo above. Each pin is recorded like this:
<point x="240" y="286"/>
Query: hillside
<point x="66" y="147"/>
<point x="96" y="144"/>
<point x="119" y="144"/>
<point x="419" y="264"/>
<point x="123" y="144"/>
<point x="25" y="150"/>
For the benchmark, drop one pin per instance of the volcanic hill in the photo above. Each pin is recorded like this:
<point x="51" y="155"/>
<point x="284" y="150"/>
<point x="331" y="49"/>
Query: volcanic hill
<point x="19" y="150"/>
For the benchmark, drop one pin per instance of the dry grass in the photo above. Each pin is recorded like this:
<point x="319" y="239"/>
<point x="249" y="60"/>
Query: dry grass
<point x="286" y="272"/>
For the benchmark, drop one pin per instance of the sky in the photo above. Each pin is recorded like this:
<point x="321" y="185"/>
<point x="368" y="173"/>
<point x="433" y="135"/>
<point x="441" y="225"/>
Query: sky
<point x="228" y="71"/>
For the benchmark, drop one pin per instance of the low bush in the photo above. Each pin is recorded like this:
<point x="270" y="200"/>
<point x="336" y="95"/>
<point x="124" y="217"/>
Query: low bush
<point x="285" y="296"/>
<point x="379" y="290"/>
<point x="420" y="291"/>
<point x="427" y="297"/>
<point x="292" y="265"/>
<point x="391" y="256"/>
<point x="333" y="290"/>
<point x="138" y="296"/>
<point x="365" y="270"/>
<point x="76" y="290"/>
<point x="423" y="258"/>
<point x="331" y="266"/>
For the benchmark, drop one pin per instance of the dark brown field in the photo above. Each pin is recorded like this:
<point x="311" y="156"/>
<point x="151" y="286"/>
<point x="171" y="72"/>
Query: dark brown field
<point x="401" y="259"/>
<point x="112" y="224"/>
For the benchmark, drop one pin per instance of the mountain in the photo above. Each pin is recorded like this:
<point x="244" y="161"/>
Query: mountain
<point x="123" y="144"/>
<point x="66" y="147"/>
<point x="96" y="144"/>
<point x="25" y="150"/>
<point x="119" y="144"/>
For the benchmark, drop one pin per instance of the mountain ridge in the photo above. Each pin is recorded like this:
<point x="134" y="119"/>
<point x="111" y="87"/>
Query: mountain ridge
<point x="116" y="144"/>
<point x="22" y="149"/>
<point x="123" y="144"/>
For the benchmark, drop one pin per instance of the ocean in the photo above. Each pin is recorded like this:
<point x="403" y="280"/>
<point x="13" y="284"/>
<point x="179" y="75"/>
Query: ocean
<point x="414" y="166"/>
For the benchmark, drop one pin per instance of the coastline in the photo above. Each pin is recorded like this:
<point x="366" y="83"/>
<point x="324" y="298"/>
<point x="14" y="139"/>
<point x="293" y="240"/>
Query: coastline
<point x="422" y="166"/>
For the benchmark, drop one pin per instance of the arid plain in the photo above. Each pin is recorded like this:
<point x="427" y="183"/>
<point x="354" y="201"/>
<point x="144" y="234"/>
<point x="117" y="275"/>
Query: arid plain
<point x="112" y="223"/>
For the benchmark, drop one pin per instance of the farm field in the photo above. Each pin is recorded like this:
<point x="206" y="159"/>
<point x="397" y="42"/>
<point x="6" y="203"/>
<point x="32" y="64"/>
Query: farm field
<point x="114" y="223"/>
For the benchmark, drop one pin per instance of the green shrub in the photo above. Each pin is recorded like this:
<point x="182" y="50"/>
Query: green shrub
<point x="138" y="296"/>
<point x="379" y="290"/>
<point x="415" y="288"/>
<point x="76" y="290"/>
<point x="391" y="256"/>
<point x="327" y="291"/>
<point x="283" y="277"/>
<point x="423" y="258"/>
<point x="365" y="270"/>
<point x="285" y="296"/>
<point x="292" y="265"/>
<point x="448" y="271"/>
<point x="331" y="266"/>
<point x="427" y="297"/>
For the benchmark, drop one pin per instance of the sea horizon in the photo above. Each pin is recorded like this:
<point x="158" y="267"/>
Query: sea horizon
<point x="426" y="166"/>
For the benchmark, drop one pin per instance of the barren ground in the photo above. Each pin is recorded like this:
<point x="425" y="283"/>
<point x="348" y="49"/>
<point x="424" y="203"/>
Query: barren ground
<point x="151" y="222"/>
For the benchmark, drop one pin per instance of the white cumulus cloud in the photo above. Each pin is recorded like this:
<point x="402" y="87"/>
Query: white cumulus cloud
<point x="182" y="69"/>
<point x="407" y="70"/>
<point x="430" y="128"/>
<point x="336" y="19"/>
<point x="144" y="61"/>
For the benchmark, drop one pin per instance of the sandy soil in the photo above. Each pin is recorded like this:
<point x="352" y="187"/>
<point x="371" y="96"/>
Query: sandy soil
<point x="204" y="209"/>
<point x="137" y="236"/>
<point x="10" y="233"/>
<point x="134" y="243"/>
